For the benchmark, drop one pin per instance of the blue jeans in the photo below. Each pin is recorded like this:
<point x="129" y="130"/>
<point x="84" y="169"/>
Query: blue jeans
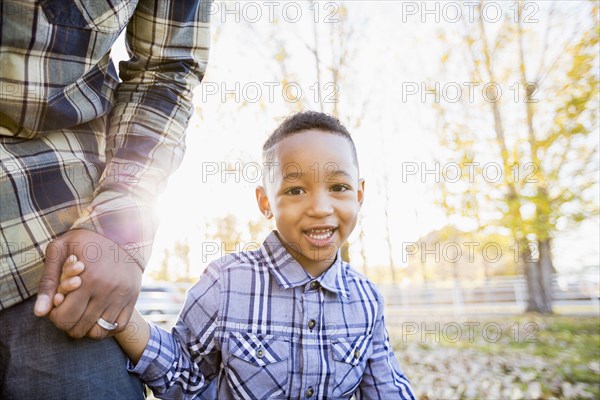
<point x="39" y="361"/>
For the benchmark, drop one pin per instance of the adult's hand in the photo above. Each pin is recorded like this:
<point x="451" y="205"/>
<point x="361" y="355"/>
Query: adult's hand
<point x="110" y="284"/>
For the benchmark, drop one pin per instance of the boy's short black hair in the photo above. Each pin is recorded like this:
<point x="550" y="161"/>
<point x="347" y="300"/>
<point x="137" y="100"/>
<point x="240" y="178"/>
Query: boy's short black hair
<point x="303" y="121"/>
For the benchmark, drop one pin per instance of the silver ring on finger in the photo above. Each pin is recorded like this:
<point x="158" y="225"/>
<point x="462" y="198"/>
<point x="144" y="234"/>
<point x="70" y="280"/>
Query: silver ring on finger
<point x="107" y="325"/>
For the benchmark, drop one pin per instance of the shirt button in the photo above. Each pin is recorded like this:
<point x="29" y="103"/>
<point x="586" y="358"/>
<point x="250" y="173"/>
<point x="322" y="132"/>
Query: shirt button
<point x="260" y="353"/>
<point x="309" y="392"/>
<point x="312" y="323"/>
<point x="315" y="285"/>
<point x="356" y="353"/>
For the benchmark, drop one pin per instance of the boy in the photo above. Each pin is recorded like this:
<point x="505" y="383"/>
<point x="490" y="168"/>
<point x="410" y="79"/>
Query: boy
<point x="289" y="320"/>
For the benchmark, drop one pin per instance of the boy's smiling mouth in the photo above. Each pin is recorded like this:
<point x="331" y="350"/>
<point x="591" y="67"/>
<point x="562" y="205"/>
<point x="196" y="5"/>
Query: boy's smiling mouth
<point x="319" y="236"/>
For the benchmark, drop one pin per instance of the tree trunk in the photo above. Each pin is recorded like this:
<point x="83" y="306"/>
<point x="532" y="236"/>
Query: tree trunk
<point x="539" y="279"/>
<point x="547" y="273"/>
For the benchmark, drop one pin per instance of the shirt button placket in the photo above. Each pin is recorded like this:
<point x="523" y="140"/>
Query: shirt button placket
<point x="313" y="308"/>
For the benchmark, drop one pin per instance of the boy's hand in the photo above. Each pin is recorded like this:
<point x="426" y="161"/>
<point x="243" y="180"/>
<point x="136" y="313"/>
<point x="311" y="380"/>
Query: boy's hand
<point x="69" y="279"/>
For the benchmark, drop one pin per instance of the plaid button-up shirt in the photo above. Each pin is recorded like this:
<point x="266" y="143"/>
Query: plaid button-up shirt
<point x="78" y="148"/>
<point x="256" y="326"/>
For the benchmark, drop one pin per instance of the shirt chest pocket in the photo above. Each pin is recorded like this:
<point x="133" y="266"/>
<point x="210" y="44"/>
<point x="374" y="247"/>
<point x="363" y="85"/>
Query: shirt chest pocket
<point x="350" y="356"/>
<point x="258" y="366"/>
<point x="101" y="16"/>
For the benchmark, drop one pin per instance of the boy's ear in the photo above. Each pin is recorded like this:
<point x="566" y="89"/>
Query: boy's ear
<point x="360" y="193"/>
<point x="263" y="202"/>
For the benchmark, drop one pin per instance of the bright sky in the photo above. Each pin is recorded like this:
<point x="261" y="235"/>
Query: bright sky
<point x="395" y="44"/>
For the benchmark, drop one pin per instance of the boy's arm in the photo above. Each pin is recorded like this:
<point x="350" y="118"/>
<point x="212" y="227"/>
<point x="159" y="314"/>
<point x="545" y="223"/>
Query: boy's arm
<point x="383" y="378"/>
<point x="184" y="363"/>
<point x="134" y="339"/>
<point x="180" y="364"/>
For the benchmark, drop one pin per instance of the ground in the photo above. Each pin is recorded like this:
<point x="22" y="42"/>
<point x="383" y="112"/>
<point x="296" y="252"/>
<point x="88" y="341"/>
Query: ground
<point x="526" y="357"/>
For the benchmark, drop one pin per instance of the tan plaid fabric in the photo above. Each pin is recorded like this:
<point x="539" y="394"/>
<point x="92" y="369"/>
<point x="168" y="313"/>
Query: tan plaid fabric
<point x="78" y="148"/>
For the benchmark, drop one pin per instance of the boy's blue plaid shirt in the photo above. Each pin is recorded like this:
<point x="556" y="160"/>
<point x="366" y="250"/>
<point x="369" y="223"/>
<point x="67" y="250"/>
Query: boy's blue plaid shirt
<point x="78" y="149"/>
<point x="256" y="326"/>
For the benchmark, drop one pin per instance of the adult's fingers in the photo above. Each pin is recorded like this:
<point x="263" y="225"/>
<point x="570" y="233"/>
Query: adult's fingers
<point x="124" y="317"/>
<point x="110" y="283"/>
<point x="111" y="317"/>
<point x="55" y="257"/>
<point x="100" y="308"/>
<point x="69" y="313"/>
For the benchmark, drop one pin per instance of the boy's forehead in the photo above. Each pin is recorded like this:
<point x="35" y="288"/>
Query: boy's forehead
<point x="317" y="148"/>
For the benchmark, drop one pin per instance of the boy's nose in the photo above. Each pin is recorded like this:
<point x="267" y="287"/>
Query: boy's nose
<point x="320" y="205"/>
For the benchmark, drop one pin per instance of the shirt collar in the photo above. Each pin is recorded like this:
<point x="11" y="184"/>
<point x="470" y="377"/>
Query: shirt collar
<point x="289" y="273"/>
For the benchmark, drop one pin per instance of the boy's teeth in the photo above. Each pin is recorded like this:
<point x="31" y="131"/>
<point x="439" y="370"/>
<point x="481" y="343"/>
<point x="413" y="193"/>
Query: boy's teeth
<point x="320" y="234"/>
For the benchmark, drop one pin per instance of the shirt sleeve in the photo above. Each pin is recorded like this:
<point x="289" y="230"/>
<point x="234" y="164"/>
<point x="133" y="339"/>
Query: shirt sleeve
<point x="185" y="362"/>
<point x="168" y="43"/>
<point x="383" y="378"/>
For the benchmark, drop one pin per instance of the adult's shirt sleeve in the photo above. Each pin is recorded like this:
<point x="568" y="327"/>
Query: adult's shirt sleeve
<point x="383" y="378"/>
<point x="185" y="362"/>
<point x="168" y="43"/>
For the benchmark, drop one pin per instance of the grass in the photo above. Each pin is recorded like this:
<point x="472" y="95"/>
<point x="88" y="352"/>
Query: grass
<point x="560" y="353"/>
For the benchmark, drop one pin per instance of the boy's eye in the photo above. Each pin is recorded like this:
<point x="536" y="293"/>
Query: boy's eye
<point x="294" y="191"/>
<point x="340" y="188"/>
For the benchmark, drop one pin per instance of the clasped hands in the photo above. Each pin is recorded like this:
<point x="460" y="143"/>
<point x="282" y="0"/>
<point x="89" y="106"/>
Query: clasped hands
<point x="110" y="284"/>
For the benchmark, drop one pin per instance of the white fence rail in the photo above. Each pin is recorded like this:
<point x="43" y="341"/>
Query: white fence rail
<point x="498" y="295"/>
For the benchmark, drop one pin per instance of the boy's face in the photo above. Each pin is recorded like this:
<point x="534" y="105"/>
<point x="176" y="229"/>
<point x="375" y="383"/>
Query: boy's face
<point x="314" y="193"/>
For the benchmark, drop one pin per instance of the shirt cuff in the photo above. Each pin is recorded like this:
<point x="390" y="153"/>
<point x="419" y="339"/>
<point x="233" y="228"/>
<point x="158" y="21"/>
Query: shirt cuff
<point x="124" y="221"/>
<point x="158" y="356"/>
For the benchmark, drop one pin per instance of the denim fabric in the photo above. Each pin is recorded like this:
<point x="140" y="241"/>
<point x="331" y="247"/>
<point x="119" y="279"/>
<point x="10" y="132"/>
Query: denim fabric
<point x="39" y="361"/>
